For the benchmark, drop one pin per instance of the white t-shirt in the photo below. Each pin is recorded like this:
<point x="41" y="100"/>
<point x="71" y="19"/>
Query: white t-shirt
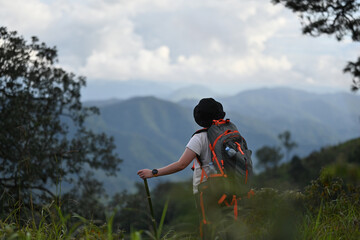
<point x="199" y="144"/>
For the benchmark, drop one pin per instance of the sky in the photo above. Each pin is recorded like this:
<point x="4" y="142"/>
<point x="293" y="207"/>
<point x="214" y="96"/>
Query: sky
<point x="227" y="45"/>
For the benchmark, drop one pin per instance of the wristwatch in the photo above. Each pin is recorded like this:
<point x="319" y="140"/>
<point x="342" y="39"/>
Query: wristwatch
<point x="155" y="172"/>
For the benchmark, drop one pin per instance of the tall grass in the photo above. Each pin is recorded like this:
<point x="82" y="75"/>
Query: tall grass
<point x="51" y="223"/>
<point x="329" y="208"/>
<point x="270" y="215"/>
<point x="335" y="220"/>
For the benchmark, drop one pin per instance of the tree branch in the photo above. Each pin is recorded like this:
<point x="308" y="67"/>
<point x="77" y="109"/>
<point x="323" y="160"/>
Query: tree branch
<point x="42" y="188"/>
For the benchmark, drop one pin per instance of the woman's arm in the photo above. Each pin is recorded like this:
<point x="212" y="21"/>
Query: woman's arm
<point x="182" y="163"/>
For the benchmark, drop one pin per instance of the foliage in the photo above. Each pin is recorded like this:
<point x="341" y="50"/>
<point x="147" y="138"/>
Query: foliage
<point x="134" y="212"/>
<point x="39" y="106"/>
<point x="337" y="182"/>
<point x="354" y="69"/>
<point x="337" y="220"/>
<point x="333" y="201"/>
<point x="52" y="223"/>
<point x="270" y="214"/>
<point x="182" y="213"/>
<point x="328" y="208"/>
<point x="269" y="156"/>
<point x="339" y="17"/>
<point x="345" y="152"/>
<point x="278" y="212"/>
<point x="286" y="142"/>
<point x="299" y="173"/>
<point x="332" y="17"/>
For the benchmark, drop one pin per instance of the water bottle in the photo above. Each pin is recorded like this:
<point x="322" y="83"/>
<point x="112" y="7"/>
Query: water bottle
<point x="212" y="169"/>
<point x="230" y="152"/>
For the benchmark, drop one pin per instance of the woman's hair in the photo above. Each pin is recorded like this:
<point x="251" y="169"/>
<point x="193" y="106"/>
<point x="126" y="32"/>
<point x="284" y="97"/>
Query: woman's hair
<point x="208" y="110"/>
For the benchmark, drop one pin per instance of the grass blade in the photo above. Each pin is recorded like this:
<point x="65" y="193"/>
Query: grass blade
<point x="162" y="219"/>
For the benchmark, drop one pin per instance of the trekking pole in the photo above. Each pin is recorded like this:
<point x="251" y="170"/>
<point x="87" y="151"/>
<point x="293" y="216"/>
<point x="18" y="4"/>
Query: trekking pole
<point x="151" y="208"/>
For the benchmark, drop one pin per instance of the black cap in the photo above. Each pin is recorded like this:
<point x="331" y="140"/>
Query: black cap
<point x="208" y="110"/>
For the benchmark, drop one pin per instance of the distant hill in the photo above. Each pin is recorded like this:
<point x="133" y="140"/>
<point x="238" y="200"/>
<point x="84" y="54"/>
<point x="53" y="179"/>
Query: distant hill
<point x="314" y="120"/>
<point x="150" y="133"/>
<point x="101" y="103"/>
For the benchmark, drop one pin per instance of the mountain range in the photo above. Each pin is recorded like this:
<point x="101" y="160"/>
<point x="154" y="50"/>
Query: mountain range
<point x="151" y="132"/>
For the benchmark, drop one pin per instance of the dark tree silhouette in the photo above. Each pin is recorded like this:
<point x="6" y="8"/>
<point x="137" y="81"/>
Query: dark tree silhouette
<point x="297" y="172"/>
<point x="269" y="157"/>
<point x="332" y="17"/>
<point x="43" y="137"/>
<point x="285" y="139"/>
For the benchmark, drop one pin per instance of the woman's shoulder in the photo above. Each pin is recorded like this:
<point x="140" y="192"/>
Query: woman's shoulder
<point x="201" y="136"/>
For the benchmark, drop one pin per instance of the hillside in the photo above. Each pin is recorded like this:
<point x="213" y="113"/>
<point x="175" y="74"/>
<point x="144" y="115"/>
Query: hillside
<point x="315" y="120"/>
<point x="347" y="152"/>
<point x="150" y="133"/>
<point x="299" y="172"/>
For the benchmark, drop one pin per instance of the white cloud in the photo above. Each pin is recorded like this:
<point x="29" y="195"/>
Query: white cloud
<point x="310" y="80"/>
<point x="207" y="54"/>
<point x="25" y="16"/>
<point x="252" y="64"/>
<point x="216" y="46"/>
<point x="152" y="64"/>
<point x="177" y="40"/>
<point x="257" y="36"/>
<point x="329" y="71"/>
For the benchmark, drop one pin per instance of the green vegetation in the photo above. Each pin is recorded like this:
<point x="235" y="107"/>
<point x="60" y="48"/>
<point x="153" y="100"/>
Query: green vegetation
<point x="52" y="224"/>
<point x="43" y="136"/>
<point x="298" y="173"/>
<point x="327" y="207"/>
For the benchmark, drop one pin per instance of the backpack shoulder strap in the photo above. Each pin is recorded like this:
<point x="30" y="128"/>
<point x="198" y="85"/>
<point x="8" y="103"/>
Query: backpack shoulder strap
<point x="200" y="131"/>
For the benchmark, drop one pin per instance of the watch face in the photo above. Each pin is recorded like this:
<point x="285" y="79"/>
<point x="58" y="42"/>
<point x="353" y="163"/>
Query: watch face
<point x="154" y="171"/>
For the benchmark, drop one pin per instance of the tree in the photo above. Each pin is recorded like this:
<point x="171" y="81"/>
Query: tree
<point x="298" y="173"/>
<point x="43" y="135"/>
<point x="269" y="157"/>
<point x="332" y="17"/>
<point x="285" y="139"/>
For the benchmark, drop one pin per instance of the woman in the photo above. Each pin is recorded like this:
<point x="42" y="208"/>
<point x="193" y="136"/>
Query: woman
<point x="205" y="112"/>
